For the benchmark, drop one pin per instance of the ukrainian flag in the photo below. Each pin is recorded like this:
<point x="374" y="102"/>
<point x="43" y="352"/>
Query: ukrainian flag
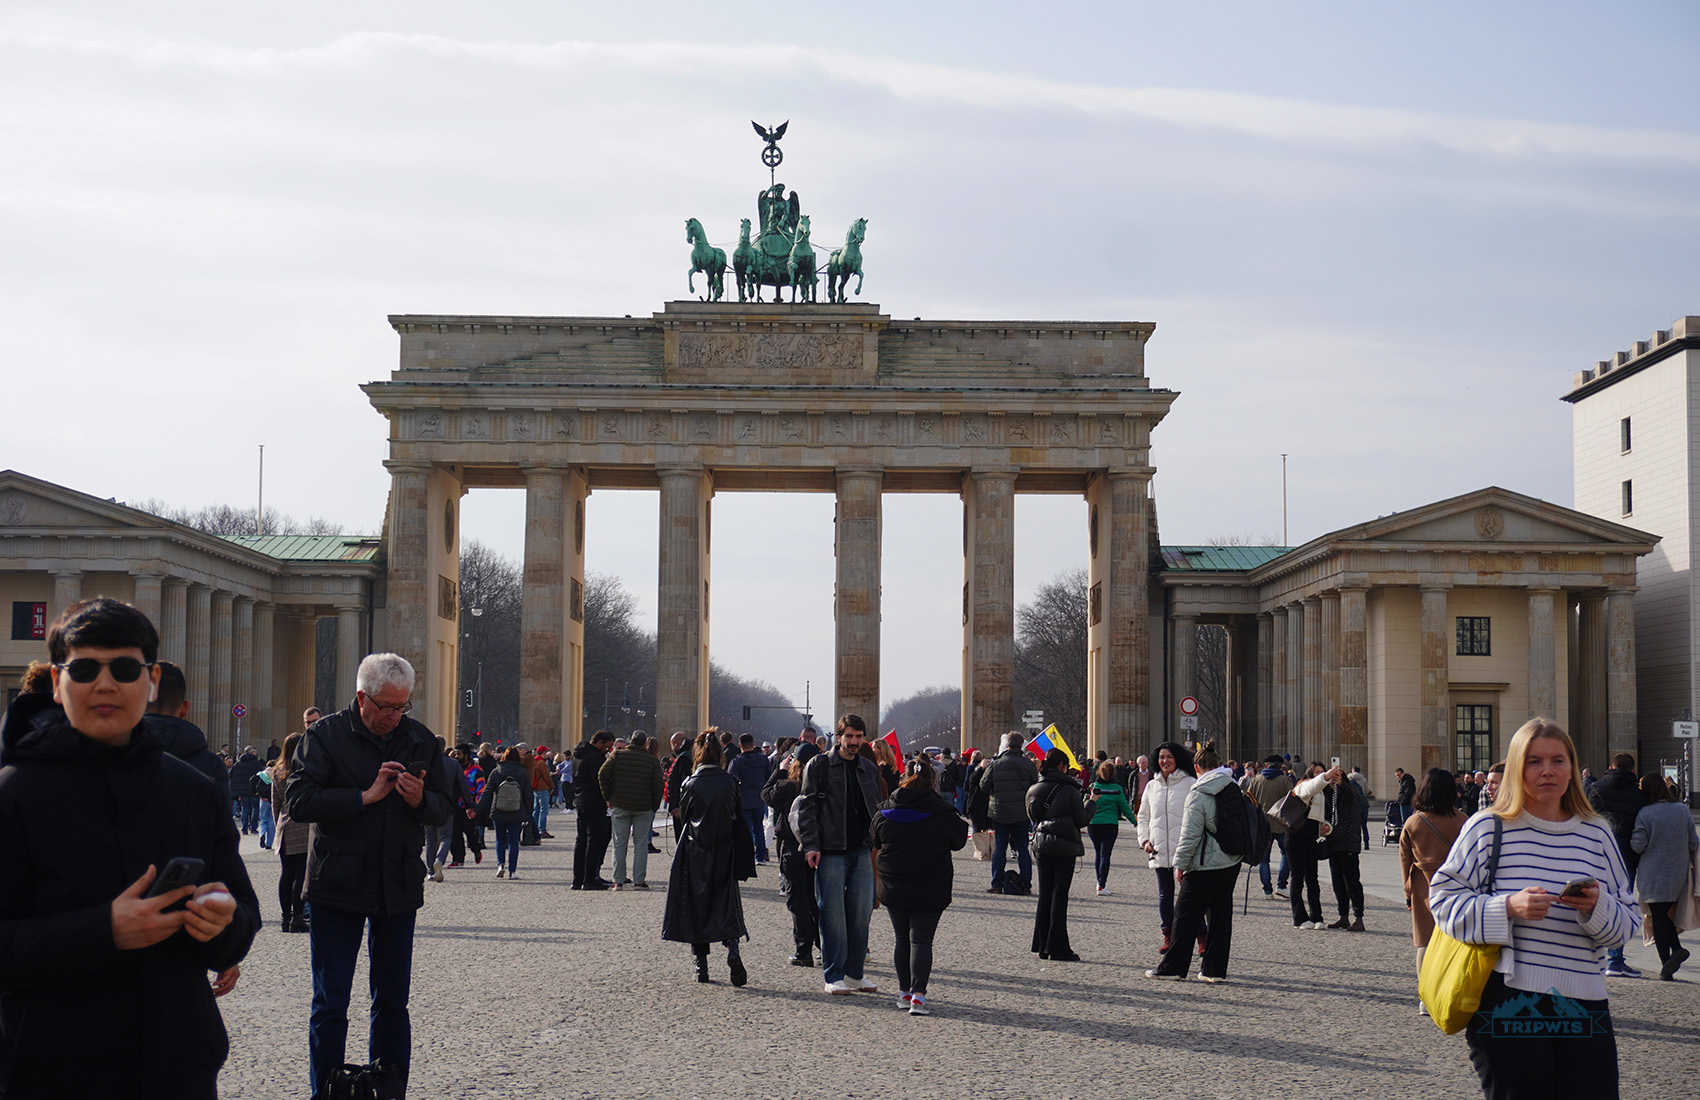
<point x="1052" y="739"/>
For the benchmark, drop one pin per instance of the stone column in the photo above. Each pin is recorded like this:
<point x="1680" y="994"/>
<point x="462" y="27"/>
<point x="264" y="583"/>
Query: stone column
<point x="411" y="590"/>
<point x="1354" y="677"/>
<point x="1543" y="655"/>
<point x="988" y="627"/>
<point x="1435" y="717"/>
<point x="1313" y="679"/>
<point x="541" y="610"/>
<point x="1296" y="679"/>
<point x="1329" y="708"/>
<point x="218" y="722"/>
<point x="197" y="664"/>
<point x="1278" y="722"/>
<point x="173" y="621"/>
<point x="1266" y="741"/>
<point x="1590" y="718"/>
<point x="242" y="668"/>
<point x="1242" y="743"/>
<point x="264" y="707"/>
<point x="149" y="595"/>
<point x="681" y="648"/>
<point x="572" y="628"/>
<point x="1621" y="734"/>
<point x="857" y="600"/>
<point x="1119" y="640"/>
<point x="1183" y="650"/>
<point x="67" y="590"/>
<point x="350" y="650"/>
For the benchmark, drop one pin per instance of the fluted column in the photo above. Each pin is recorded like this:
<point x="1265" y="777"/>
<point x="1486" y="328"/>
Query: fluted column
<point x="148" y="594"/>
<point x="857" y="602"/>
<point x="1266" y="741"/>
<point x="218" y="671"/>
<point x="350" y="649"/>
<point x="1313" y="678"/>
<point x="1278" y="721"/>
<point x="1354" y="677"/>
<point x="1543" y="655"/>
<point x="1329" y="645"/>
<point x="173" y="621"/>
<point x="541" y="608"/>
<point x="1591" y="716"/>
<point x="1119" y="716"/>
<point x="264" y="706"/>
<point x="1296" y="680"/>
<point x="242" y="667"/>
<point x="988" y="628"/>
<point x="1435" y="716"/>
<point x="1184" y="630"/>
<point x="681" y="682"/>
<point x="197" y="666"/>
<point x="1620" y="671"/>
<point x="67" y="590"/>
<point x="411" y="589"/>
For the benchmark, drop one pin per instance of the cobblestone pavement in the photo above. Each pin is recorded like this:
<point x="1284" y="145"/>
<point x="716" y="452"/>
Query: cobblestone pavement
<point x="525" y="988"/>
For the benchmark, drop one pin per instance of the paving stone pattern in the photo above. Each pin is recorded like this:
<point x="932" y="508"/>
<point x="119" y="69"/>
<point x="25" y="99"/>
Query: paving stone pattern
<point x="527" y="989"/>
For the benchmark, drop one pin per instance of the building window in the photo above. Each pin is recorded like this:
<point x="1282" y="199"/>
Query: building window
<point x="1623" y="429"/>
<point x="29" y="621"/>
<point x="1629" y="498"/>
<point x="1474" y="727"/>
<point x="1474" y="636"/>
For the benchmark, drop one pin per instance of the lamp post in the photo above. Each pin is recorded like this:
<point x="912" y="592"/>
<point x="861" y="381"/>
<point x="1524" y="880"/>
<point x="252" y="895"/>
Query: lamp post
<point x="477" y="610"/>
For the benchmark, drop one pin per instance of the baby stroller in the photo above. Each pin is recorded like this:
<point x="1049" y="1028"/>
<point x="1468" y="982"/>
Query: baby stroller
<point x="1395" y="823"/>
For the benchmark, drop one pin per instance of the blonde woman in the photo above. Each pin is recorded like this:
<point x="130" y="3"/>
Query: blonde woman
<point x="1559" y="900"/>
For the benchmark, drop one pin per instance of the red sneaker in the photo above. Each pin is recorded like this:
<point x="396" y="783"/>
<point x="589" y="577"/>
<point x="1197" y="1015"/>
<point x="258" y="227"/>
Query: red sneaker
<point x="478" y="857"/>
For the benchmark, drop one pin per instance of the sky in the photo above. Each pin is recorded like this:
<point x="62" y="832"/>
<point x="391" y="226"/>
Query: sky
<point x="1378" y="239"/>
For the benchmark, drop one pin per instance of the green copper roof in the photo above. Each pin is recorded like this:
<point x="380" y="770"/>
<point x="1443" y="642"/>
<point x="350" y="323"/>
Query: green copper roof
<point x="1219" y="559"/>
<point x="311" y="547"/>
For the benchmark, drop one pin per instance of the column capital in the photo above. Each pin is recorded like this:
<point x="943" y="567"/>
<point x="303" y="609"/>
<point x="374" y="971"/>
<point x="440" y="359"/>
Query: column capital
<point x="147" y="573"/>
<point x="1622" y="590"/>
<point x="65" y="571"/>
<point x="219" y="595"/>
<point x="1434" y="584"/>
<point x="680" y="469"/>
<point x="1333" y="594"/>
<point x="1130" y="473"/>
<point x="1265" y="615"/>
<point x="402" y="469"/>
<point x="988" y="473"/>
<point x="859" y="470"/>
<point x="544" y="471"/>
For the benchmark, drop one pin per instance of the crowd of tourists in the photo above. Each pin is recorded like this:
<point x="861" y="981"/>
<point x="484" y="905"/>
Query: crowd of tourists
<point x="365" y="806"/>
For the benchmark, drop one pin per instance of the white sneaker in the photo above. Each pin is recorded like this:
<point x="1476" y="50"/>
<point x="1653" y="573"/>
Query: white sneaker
<point x="903" y="1001"/>
<point x="617" y="887"/>
<point x="501" y="872"/>
<point x="513" y="875"/>
<point x="918" y="1006"/>
<point x="1318" y="925"/>
<point x="1211" y="980"/>
<point x="840" y="987"/>
<point x="437" y="871"/>
<point x="861" y="985"/>
<point x="1102" y="891"/>
<point x="1165" y="977"/>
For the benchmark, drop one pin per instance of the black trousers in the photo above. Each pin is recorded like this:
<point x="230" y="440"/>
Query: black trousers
<point x="1050" y="922"/>
<point x="590" y="844"/>
<point x="1347" y="882"/>
<point x="800" y="901"/>
<point x="912" y="955"/>
<point x="465" y="836"/>
<point x="1302" y="854"/>
<point x="292" y="876"/>
<point x="1203" y="895"/>
<point x="1523" y="1065"/>
<point x="1664" y="929"/>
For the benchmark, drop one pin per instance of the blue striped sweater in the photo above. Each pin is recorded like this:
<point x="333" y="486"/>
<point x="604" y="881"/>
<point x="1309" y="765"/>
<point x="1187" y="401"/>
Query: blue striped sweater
<point x="1562" y="952"/>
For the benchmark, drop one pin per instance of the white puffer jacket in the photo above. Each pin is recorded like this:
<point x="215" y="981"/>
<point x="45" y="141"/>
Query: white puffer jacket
<point x="1161" y="811"/>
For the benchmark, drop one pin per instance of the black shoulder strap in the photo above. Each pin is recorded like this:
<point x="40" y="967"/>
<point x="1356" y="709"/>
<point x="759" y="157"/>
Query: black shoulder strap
<point x="1493" y="860"/>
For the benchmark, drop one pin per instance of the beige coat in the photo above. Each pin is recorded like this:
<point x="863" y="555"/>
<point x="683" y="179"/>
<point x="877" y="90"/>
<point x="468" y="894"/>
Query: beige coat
<point x="1423" y="847"/>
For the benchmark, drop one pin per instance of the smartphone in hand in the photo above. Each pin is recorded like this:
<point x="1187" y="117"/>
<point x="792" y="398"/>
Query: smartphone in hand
<point x="1574" y="888"/>
<point x="180" y="871"/>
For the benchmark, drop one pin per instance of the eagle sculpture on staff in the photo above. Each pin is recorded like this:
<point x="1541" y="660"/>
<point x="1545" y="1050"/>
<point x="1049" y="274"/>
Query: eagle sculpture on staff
<point x="770" y="136"/>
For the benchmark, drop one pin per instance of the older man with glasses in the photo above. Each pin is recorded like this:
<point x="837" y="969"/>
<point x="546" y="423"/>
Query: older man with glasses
<point x="369" y="779"/>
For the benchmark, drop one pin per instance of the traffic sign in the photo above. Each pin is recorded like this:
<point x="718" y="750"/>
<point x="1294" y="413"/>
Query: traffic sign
<point x="1685" y="729"/>
<point x="239" y="711"/>
<point x="1189" y="721"/>
<point x="1189" y="705"/>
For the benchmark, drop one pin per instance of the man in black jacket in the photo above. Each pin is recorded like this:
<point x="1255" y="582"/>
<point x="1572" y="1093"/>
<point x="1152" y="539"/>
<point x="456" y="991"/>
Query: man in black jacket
<point x="1006" y="781"/>
<point x="835" y="830"/>
<point x="167" y="718"/>
<point x="103" y="992"/>
<point x="1617" y="795"/>
<point x="242" y="775"/>
<point x="590" y="843"/>
<point x="368" y="779"/>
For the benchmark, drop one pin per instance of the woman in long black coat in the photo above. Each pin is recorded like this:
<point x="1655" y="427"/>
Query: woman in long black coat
<point x="1055" y="808"/>
<point x="915" y="832"/>
<point x="703" y="904"/>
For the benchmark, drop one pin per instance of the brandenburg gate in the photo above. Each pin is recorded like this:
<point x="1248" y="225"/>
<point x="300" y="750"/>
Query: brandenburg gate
<point x="708" y="397"/>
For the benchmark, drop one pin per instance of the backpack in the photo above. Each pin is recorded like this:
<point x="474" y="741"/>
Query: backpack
<point x="528" y="836"/>
<point x="1241" y="828"/>
<point x="377" y="1081"/>
<point x="509" y="798"/>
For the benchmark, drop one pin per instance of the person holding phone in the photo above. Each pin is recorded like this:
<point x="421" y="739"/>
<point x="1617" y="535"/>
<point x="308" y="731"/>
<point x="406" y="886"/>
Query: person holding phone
<point x="93" y="809"/>
<point x="368" y="780"/>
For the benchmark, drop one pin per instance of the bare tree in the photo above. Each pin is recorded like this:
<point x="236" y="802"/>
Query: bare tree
<point x="1050" y="654"/>
<point x="928" y="717"/>
<point x="222" y="519"/>
<point x="490" y="592"/>
<point x="1245" y="538"/>
<point x="1210" y="681"/>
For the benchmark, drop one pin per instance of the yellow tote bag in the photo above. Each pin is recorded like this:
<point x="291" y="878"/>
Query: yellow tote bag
<point x="1454" y="974"/>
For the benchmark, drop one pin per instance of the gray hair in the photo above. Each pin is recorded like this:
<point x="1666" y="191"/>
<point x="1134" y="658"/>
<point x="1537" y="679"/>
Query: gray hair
<point x="1014" y="739"/>
<point x="381" y="670"/>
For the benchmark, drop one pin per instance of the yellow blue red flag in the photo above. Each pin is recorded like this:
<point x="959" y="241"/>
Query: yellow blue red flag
<point x="1052" y="739"/>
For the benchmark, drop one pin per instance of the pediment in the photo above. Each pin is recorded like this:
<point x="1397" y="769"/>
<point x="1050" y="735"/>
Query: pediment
<point x="27" y="502"/>
<point x="1495" y="515"/>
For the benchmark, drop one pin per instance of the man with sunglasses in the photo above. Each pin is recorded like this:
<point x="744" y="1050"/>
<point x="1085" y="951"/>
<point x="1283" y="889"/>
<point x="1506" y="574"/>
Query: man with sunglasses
<point x="368" y="780"/>
<point x="93" y="810"/>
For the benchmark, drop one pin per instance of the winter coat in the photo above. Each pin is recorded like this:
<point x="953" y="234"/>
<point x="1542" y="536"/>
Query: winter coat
<point x="1424" y="843"/>
<point x="824" y="817"/>
<point x="1617" y="795"/>
<point x="1407" y="789"/>
<point x="1664" y="836"/>
<point x="1110" y="805"/>
<point x="1160" y="815"/>
<point x="751" y="770"/>
<point x="915" y="832"/>
<point x="703" y="905"/>
<point x="364" y="859"/>
<point x="779" y="793"/>
<point x="1270" y="786"/>
<point x="292" y="835"/>
<point x="678" y="770"/>
<point x="1197" y="849"/>
<point x="587" y="773"/>
<point x="184" y="740"/>
<point x="1006" y="781"/>
<point x="1340" y="809"/>
<point x="1054" y="806"/>
<point x="632" y="780"/>
<point x="82" y="821"/>
<point x="521" y="775"/>
<point x="979" y="802"/>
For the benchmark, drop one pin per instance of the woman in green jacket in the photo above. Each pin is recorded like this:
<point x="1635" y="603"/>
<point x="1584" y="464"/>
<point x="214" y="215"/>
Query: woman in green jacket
<point x="1109" y="806"/>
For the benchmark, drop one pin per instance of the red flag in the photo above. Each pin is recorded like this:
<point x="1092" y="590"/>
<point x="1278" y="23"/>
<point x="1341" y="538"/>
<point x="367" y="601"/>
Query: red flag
<point x="896" y="746"/>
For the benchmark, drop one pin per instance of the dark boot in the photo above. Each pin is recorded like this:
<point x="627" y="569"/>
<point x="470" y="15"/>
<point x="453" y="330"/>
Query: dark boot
<point x="1357" y="924"/>
<point x="702" y="965"/>
<point x="803" y="956"/>
<point x="735" y="963"/>
<point x="1164" y="950"/>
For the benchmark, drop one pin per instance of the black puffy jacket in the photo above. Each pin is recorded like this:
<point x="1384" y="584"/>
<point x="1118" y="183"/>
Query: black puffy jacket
<point x="915" y="831"/>
<point x="587" y="777"/>
<point x="184" y="740"/>
<point x="82" y="821"/>
<point x="365" y="859"/>
<point x="1617" y="794"/>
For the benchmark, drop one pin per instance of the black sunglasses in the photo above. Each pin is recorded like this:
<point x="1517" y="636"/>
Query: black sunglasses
<point x="86" y="670"/>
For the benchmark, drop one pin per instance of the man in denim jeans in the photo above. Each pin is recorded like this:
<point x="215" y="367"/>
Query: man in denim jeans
<point x="632" y="783"/>
<point x="1006" y="780"/>
<point x="841" y="795"/>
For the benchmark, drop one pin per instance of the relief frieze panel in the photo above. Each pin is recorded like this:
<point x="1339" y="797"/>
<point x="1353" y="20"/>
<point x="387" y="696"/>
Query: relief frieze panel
<point x="769" y="351"/>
